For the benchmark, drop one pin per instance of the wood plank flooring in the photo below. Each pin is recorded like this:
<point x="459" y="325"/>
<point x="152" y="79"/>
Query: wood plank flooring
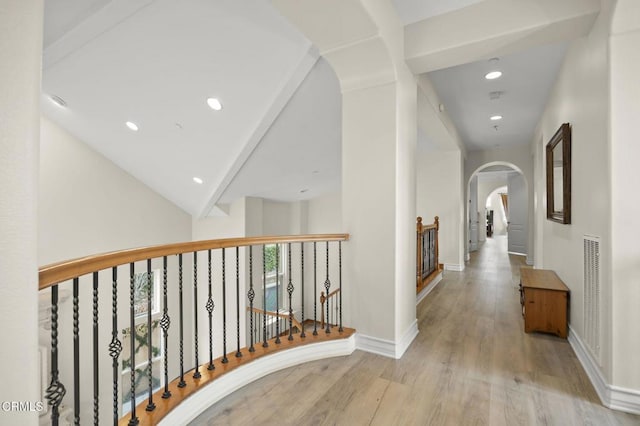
<point x="471" y="364"/>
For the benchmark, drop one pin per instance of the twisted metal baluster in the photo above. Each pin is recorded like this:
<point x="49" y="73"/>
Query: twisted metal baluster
<point x="224" y="309"/>
<point x="196" y="374"/>
<point x="277" y="293"/>
<point x="55" y="391"/>
<point x="96" y="388"/>
<point x="115" y="347"/>
<point x="264" y="298"/>
<point x="340" y="281"/>
<point x="315" y="291"/>
<point x="76" y="353"/>
<point x="251" y="294"/>
<point x="238" y="353"/>
<point x="181" y="383"/>
<point x="302" y="334"/>
<point x="327" y="285"/>
<point x="290" y="291"/>
<point x="165" y="322"/>
<point x="210" y="306"/>
<point x="150" y="405"/>
<point x="133" y="421"/>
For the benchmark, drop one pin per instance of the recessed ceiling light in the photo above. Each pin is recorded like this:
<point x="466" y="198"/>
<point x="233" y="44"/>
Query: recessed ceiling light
<point x="131" y="125"/>
<point x="493" y="75"/>
<point x="214" y="104"/>
<point x="496" y="117"/>
<point x="198" y="180"/>
<point x="58" y="101"/>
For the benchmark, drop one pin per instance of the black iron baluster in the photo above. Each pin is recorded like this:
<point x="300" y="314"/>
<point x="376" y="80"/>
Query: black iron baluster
<point x="224" y="309"/>
<point x="302" y="334"/>
<point x="290" y="291"/>
<point x="340" y="282"/>
<point x="164" y="323"/>
<point x="251" y="294"/>
<point x="210" y="306"/>
<point x="76" y="353"/>
<point x="55" y="391"/>
<point x="264" y="298"/>
<point x="96" y="387"/>
<point x="196" y="373"/>
<point x="315" y="291"/>
<point x="132" y="334"/>
<point x="238" y="353"/>
<point x="115" y="347"/>
<point x="277" y="293"/>
<point x="327" y="285"/>
<point x="181" y="383"/>
<point x="150" y="405"/>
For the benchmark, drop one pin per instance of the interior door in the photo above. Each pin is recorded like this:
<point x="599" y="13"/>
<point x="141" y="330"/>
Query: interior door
<point x="517" y="213"/>
<point x="473" y="214"/>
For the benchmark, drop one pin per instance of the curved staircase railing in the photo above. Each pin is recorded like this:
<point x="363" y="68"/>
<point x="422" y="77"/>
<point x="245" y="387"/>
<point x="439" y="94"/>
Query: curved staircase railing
<point x="150" y="321"/>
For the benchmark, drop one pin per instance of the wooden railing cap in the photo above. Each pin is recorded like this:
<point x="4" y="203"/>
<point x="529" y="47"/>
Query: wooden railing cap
<point x="62" y="271"/>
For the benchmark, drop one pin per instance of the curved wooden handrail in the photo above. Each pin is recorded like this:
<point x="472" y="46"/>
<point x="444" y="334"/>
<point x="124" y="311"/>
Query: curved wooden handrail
<point x="294" y="321"/>
<point x="62" y="271"/>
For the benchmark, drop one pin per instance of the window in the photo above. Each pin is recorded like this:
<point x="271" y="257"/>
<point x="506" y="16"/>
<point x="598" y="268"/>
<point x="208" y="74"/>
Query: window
<point x="273" y="254"/>
<point x="143" y="284"/>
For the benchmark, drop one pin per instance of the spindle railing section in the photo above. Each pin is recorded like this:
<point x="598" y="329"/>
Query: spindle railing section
<point x="148" y="339"/>
<point x="427" y="263"/>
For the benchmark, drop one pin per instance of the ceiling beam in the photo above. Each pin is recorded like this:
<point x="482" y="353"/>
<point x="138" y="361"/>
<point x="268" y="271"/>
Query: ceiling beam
<point x="494" y="28"/>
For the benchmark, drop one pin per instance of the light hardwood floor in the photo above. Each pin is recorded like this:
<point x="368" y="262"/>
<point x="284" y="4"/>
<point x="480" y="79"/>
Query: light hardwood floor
<point x="471" y="364"/>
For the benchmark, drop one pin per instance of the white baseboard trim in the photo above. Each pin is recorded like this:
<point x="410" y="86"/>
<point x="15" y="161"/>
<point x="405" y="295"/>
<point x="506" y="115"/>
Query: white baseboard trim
<point x="385" y="347"/>
<point x="453" y="267"/>
<point x="467" y="257"/>
<point x="614" y="397"/>
<point x="429" y="288"/>
<point x="529" y="262"/>
<point x="197" y="403"/>
<point x="517" y="253"/>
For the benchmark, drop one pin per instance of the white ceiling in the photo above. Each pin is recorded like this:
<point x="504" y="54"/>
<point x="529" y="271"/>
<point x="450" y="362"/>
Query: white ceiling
<point x="527" y="79"/>
<point x="155" y="62"/>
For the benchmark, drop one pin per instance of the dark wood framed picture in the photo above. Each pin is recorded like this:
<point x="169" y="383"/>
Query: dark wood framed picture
<point x="559" y="176"/>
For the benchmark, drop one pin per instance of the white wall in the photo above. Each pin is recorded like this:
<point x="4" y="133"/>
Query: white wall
<point x="88" y="205"/>
<point x="580" y="97"/>
<point x="20" y="68"/>
<point x="438" y="183"/>
<point x="625" y="110"/>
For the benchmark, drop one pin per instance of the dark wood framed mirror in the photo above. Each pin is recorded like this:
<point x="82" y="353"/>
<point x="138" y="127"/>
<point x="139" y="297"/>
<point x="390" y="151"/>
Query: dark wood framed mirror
<point x="559" y="176"/>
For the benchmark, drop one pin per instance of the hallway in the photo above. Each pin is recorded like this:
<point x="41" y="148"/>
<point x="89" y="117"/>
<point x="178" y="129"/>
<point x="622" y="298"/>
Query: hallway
<point x="470" y="364"/>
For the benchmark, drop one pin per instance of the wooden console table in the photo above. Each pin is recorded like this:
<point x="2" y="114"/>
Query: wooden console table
<point x="544" y="299"/>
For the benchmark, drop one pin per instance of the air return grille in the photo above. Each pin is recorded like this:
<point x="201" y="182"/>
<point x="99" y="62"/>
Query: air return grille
<point x="592" y="294"/>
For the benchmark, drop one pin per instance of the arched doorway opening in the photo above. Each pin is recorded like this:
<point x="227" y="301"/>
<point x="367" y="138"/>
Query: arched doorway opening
<point x="506" y="187"/>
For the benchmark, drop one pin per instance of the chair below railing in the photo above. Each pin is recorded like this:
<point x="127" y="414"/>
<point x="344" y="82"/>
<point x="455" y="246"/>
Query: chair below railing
<point x="427" y="262"/>
<point x="138" y="339"/>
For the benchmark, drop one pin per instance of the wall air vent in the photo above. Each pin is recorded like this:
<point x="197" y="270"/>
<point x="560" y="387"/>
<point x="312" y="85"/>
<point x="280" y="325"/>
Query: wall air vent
<point x="592" y="295"/>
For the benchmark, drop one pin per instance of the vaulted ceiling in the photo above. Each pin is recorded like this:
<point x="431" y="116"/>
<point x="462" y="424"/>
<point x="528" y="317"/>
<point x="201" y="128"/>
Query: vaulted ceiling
<point x="156" y="62"/>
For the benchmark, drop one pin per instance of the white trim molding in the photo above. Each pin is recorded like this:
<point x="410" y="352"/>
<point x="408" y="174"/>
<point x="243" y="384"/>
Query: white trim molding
<point x="385" y="347"/>
<point x="425" y="291"/>
<point x="614" y="397"/>
<point x="453" y="267"/>
<point x="211" y="393"/>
